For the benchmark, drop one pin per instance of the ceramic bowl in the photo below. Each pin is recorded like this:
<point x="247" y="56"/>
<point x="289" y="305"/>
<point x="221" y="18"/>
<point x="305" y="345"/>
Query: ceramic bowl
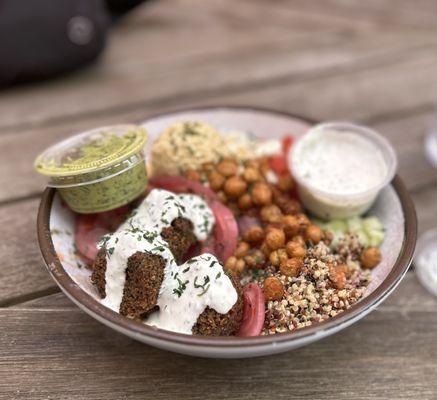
<point x="393" y="206"/>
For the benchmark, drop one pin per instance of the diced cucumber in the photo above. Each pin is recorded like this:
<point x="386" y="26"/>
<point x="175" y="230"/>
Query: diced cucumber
<point x="376" y="237"/>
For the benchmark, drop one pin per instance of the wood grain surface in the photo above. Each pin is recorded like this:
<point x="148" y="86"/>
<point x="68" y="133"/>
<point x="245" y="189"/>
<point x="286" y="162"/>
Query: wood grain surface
<point x="372" y="62"/>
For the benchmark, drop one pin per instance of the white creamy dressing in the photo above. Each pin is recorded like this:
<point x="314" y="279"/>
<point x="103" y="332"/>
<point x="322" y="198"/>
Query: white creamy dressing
<point x="339" y="162"/>
<point x="187" y="289"/>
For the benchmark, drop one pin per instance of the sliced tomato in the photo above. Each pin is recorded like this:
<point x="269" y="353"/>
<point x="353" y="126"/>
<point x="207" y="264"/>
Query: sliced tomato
<point x="87" y="235"/>
<point x="278" y="164"/>
<point x="246" y="222"/>
<point x="91" y="227"/>
<point x="225" y="231"/>
<point x="225" y="235"/>
<point x="253" y="310"/>
<point x="287" y="142"/>
<point x="179" y="184"/>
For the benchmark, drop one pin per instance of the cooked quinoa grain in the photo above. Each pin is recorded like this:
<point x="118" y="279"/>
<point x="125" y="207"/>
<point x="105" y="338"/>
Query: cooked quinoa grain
<point x="311" y="296"/>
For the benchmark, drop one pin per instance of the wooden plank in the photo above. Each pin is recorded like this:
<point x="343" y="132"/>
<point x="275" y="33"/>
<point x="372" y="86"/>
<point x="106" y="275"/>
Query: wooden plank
<point x="22" y="272"/>
<point x="425" y="202"/>
<point x="139" y="69"/>
<point x="69" y="356"/>
<point x="380" y="14"/>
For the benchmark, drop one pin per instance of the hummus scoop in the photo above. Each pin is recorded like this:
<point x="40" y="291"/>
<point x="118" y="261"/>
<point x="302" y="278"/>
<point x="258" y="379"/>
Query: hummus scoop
<point x="97" y="170"/>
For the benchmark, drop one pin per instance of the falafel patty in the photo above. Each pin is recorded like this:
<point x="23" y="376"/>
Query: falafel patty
<point x="145" y="271"/>
<point x="180" y="237"/>
<point x="144" y="276"/>
<point x="212" y="323"/>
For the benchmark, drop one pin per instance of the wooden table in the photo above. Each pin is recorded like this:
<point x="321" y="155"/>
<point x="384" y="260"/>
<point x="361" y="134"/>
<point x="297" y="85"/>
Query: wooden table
<point x="370" y="61"/>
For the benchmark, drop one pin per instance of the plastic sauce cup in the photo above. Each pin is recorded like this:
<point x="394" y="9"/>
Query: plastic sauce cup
<point x="326" y="203"/>
<point x="97" y="170"/>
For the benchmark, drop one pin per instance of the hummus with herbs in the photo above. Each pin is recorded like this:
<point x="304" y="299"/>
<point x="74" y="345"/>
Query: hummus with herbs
<point x="186" y="145"/>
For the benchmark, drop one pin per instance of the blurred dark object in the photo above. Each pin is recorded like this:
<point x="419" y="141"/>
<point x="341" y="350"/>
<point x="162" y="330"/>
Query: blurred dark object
<point x="43" y="38"/>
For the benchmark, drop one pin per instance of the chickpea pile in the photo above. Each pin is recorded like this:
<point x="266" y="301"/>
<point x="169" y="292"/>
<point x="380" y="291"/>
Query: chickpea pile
<point x="244" y="186"/>
<point x="280" y="240"/>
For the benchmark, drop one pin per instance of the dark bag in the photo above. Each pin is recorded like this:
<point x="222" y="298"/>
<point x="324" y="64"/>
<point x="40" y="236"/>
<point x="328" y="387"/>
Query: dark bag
<point x="42" y="38"/>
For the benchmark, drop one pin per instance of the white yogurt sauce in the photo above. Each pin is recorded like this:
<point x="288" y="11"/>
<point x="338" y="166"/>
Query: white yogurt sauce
<point x="187" y="289"/>
<point x="339" y="162"/>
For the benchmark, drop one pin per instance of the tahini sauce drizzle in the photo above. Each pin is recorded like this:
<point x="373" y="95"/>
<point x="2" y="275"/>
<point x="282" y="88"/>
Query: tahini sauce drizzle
<point x="187" y="289"/>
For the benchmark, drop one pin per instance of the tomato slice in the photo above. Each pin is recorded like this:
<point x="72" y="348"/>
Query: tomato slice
<point x="87" y="236"/>
<point x="287" y="142"/>
<point x="253" y="310"/>
<point x="278" y="164"/>
<point x="91" y="227"/>
<point x="225" y="231"/>
<point x="179" y="184"/>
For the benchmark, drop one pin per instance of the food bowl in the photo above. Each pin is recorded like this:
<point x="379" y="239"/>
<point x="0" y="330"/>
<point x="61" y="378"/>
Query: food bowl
<point x="393" y="207"/>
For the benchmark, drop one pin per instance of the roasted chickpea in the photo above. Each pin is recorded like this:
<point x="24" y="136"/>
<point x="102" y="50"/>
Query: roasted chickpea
<point x="216" y="180"/>
<point x="264" y="166"/>
<point x="242" y="249"/>
<point x="295" y="250"/>
<point x="227" y="168"/>
<point x="240" y="266"/>
<point x="271" y="214"/>
<point x="299" y="239"/>
<point x="250" y="261"/>
<point x="370" y="257"/>
<point x="303" y="220"/>
<point x="275" y="238"/>
<point x="230" y="264"/>
<point x="313" y="234"/>
<point x="273" y="289"/>
<point x="265" y="249"/>
<point x="291" y="267"/>
<point x="259" y="257"/>
<point x="328" y="237"/>
<point x="222" y="197"/>
<point x="245" y="201"/>
<point x="251" y="175"/>
<point x="252" y="163"/>
<point x="291" y="225"/>
<point x="286" y="183"/>
<point x="337" y="275"/>
<point x="278" y="256"/>
<point x="192" y="174"/>
<point x="208" y="166"/>
<point x="235" y="187"/>
<point x="254" y="234"/>
<point x="261" y="194"/>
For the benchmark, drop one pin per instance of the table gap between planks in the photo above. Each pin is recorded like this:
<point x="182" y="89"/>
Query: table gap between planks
<point x="373" y="62"/>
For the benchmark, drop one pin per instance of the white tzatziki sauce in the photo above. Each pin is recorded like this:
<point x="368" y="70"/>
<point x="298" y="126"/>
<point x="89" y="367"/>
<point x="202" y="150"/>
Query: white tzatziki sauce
<point x="339" y="162"/>
<point x="187" y="289"/>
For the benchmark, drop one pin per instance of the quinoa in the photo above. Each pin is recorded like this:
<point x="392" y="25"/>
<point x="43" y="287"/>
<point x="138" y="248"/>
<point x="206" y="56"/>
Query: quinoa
<point x="311" y="297"/>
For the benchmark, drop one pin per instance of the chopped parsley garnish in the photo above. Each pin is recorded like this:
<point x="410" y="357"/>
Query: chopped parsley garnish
<point x="186" y="269"/>
<point x="181" y="288"/>
<point x="203" y="291"/>
<point x="205" y="282"/>
<point x="150" y="236"/>
<point x="219" y="274"/>
<point x="110" y="251"/>
<point x="158" y="248"/>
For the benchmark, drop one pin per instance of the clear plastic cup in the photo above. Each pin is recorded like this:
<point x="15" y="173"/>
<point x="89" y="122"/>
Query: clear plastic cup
<point x="97" y="170"/>
<point x="328" y="204"/>
<point x="425" y="260"/>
